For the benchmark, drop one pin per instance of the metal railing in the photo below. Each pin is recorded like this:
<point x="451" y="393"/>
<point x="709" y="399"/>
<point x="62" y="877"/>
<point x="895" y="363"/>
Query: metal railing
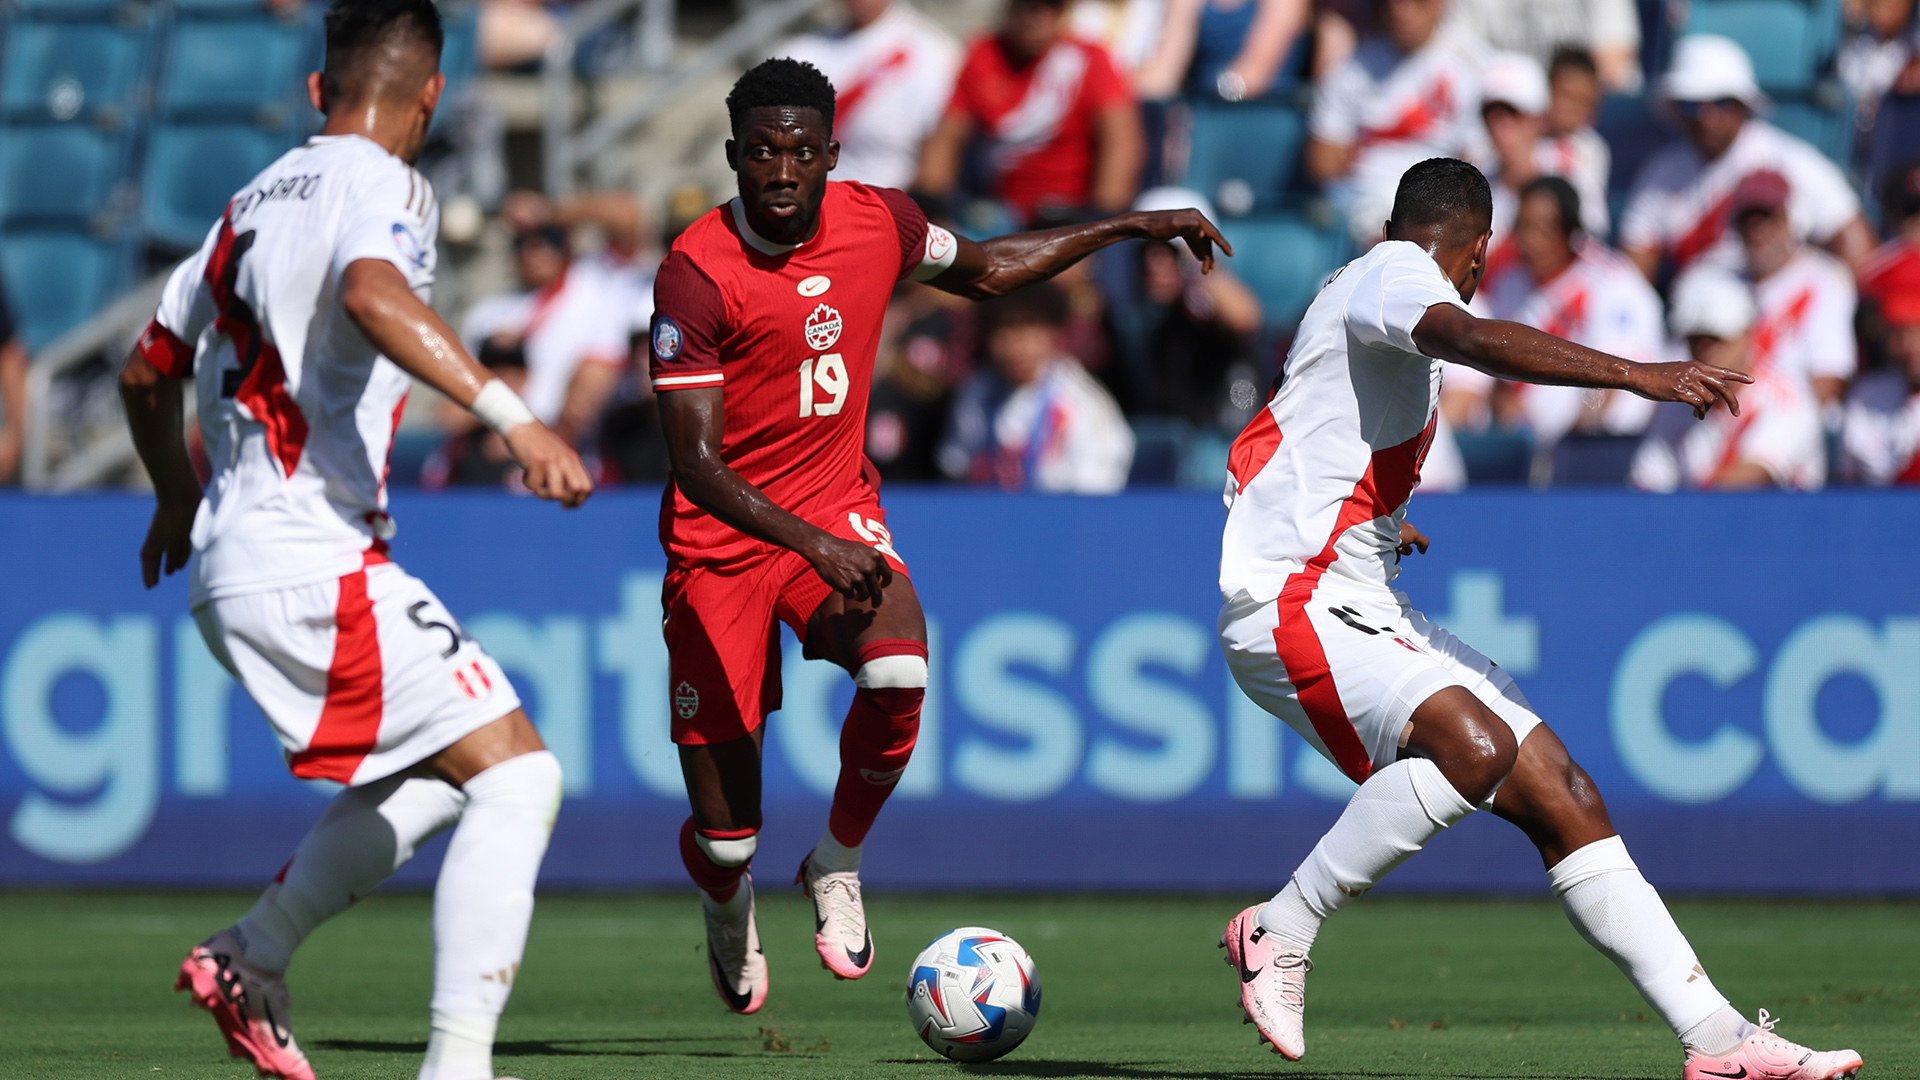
<point x="565" y="150"/>
<point x="94" y="455"/>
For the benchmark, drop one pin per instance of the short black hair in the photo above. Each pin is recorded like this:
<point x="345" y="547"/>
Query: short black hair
<point x="1574" y="58"/>
<point x="781" y="83"/>
<point x="1443" y="195"/>
<point x="1040" y="304"/>
<point x="1563" y="195"/>
<point x="355" y="28"/>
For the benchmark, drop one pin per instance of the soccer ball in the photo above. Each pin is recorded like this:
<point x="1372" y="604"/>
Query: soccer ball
<point x="974" y="994"/>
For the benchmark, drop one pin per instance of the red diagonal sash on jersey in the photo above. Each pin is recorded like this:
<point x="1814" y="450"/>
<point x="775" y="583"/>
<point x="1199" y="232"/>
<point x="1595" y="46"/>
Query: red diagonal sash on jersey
<point x="1910" y="474"/>
<point x="850" y="99"/>
<point x="1705" y="233"/>
<point x="1773" y="327"/>
<point x="263" y="379"/>
<point x="1418" y="118"/>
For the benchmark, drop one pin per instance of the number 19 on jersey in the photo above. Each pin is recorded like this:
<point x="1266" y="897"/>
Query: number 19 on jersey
<point x="823" y="386"/>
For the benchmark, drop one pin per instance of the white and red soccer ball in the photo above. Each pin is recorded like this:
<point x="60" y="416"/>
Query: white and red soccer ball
<point x="974" y="994"/>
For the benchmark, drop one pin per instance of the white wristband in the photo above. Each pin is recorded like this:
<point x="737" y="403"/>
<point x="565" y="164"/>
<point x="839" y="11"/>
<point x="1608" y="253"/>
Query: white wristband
<point x="500" y="408"/>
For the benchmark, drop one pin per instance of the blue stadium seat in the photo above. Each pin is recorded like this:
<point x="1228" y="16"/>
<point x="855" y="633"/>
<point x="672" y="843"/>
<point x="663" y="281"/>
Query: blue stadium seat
<point x="65" y="70"/>
<point x="252" y="67"/>
<point x="1896" y="142"/>
<point x="191" y="172"/>
<point x="1284" y="258"/>
<point x="1581" y="460"/>
<point x="56" y="279"/>
<point x="1829" y="129"/>
<point x="1258" y="143"/>
<point x="1789" y="40"/>
<point x="71" y="8"/>
<point x="1633" y="132"/>
<point x="1495" y="458"/>
<point x="59" y="172"/>
<point x="459" y="58"/>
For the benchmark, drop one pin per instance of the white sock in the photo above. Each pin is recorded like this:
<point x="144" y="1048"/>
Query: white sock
<point x="830" y="856"/>
<point x="1393" y="815"/>
<point x="1618" y="913"/>
<point x="366" y="834"/>
<point x="482" y="907"/>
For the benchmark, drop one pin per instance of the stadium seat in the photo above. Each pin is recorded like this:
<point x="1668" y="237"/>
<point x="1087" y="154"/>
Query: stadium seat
<point x="1258" y="144"/>
<point x="71" y="8"/>
<point x="1789" y="40"/>
<point x="61" y="70"/>
<point x="1284" y="258"/>
<point x="1495" y="458"/>
<point x="1581" y="460"/>
<point x="59" y="172"/>
<point x="56" y="279"/>
<point x="1158" y="443"/>
<point x="1829" y="129"/>
<point x="1896" y="142"/>
<point x="191" y="171"/>
<point x="1633" y="132"/>
<point x="240" y="68"/>
<point x="459" y="58"/>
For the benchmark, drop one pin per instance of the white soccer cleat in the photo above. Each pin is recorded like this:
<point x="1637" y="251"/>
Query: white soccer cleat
<point x="250" y="1005"/>
<point x="734" y="958"/>
<point x="1766" y="1056"/>
<point x="840" y="931"/>
<point x="1273" y="983"/>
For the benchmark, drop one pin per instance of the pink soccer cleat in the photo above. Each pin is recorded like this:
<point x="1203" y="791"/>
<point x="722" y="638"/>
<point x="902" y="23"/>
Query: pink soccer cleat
<point x="734" y="959"/>
<point x="1273" y="983"/>
<point x="840" y="932"/>
<point x="1766" y="1056"/>
<point x="250" y="1005"/>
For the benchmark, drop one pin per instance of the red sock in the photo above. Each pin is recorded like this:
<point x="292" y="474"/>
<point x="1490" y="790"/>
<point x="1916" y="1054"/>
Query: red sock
<point x="719" y="882"/>
<point x="875" y="744"/>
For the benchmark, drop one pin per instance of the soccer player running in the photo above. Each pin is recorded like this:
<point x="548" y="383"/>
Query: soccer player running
<point x="1430" y="729"/>
<point x="768" y="316"/>
<point x="299" y="322"/>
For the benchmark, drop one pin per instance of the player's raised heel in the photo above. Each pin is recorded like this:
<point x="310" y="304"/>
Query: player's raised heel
<point x="1273" y="983"/>
<point x="840" y="933"/>
<point x="250" y="1006"/>
<point x="734" y="959"/>
<point x="1766" y="1056"/>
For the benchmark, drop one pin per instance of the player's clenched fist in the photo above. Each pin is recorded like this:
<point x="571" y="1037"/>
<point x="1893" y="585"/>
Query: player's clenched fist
<point x="553" y="469"/>
<point x="1700" y="385"/>
<point x="854" y="570"/>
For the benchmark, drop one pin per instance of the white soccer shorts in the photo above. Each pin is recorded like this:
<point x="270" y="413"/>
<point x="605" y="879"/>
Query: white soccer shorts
<point x="362" y="676"/>
<point x="1345" y="664"/>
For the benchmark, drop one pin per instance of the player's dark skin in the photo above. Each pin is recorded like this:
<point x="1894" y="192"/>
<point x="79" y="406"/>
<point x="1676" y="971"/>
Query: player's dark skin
<point x="782" y="157"/>
<point x="1544" y="792"/>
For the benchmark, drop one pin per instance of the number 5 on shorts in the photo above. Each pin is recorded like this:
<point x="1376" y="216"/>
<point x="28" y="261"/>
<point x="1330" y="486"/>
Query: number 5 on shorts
<point x="873" y="533"/>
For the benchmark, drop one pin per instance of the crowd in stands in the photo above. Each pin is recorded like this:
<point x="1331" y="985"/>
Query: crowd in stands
<point x="1735" y="242"/>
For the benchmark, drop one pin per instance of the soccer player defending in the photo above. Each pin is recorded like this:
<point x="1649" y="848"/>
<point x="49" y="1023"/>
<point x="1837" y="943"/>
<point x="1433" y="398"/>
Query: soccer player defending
<point x="299" y="322"/>
<point x="768" y="315"/>
<point x="1430" y="729"/>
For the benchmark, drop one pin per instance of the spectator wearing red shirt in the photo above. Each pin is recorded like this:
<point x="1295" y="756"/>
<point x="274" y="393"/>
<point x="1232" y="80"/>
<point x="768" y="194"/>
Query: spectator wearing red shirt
<point x="1061" y="130"/>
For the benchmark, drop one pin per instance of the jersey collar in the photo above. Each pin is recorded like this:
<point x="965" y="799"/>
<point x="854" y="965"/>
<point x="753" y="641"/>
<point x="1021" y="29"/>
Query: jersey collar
<point x="754" y="240"/>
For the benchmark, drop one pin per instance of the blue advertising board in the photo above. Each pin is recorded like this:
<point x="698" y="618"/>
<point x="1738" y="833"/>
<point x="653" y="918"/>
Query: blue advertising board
<point x="1740" y="674"/>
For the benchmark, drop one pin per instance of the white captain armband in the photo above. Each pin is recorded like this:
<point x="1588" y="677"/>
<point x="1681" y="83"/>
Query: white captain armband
<point x="500" y="408"/>
<point x="940" y="252"/>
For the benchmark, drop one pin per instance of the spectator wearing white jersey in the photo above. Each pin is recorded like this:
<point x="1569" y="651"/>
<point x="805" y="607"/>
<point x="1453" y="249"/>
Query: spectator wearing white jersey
<point x="1573" y="148"/>
<point x="568" y="323"/>
<point x="1880" y="440"/>
<point x="1806" y="297"/>
<point x="1574" y="287"/>
<point x="1774" y="442"/>
<point x="1409" y="92"/>
<point x="1680" y="209"/>
<point x="892" y="72"/>
<point x="1514" y="105"/>
<point x="1609" y="30"/>
<point x="622" y="259"/>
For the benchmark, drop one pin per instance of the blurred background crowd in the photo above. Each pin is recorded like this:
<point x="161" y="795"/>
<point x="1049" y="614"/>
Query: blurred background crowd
<point x="1736" y="180"/>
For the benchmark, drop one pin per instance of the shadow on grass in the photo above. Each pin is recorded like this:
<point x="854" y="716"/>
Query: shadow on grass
<point x="559" y="1048"/>
<point x="1147" y="1070"/>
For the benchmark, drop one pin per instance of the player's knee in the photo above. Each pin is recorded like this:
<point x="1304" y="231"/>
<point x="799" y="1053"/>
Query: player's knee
<point x="728" y="850"/>
<point x="1481" y="758"/>
<point x="899" y="672"/>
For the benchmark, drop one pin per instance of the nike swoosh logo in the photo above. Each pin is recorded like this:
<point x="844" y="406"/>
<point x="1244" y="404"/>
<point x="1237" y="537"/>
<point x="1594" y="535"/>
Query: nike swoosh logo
<point x="1729" y="1076"/>
<point x="860" y="958"/>
<point x="1248" y="976"/>
<point x="735" y="1001"/>
<point x="281" y="1035"/>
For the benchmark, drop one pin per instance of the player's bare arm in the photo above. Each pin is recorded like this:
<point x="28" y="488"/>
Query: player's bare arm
<point x="694" y="423"/>
<point x="377" y="298"/>
<point x="153" y="401"/>
<point x="996" y="267"/>
<point x="1511" y="350"/>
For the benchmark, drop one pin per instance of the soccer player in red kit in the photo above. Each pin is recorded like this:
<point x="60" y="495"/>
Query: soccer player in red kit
<point x="767" y="321"/>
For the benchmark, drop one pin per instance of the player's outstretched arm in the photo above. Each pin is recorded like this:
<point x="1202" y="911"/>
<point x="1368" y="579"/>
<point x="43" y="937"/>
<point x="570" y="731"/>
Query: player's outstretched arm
<point x="155" y="415"/>
<point x="694" y="423"/>
<point x="1514" y="351"/>
<point x="996" y="267"/>
<point x="378" y="300"/>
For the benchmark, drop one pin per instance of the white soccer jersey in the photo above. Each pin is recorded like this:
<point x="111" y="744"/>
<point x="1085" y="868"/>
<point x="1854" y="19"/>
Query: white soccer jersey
<point x="1583" y="159"/>
<point x="891" y="81"/>
<point x="1682" y="204"/>
<point x="1600" y="301"/>
<point x="1880" y="443"/>
<point x="1778" y="428"/>
<point x="579" y="319"/>
<point x="297" y="409"/>
<point x="1805" y="321"/>
<point x="1319" y="481"/>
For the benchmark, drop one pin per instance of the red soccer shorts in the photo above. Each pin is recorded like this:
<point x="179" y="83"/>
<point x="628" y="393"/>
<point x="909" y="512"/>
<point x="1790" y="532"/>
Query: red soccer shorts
<point x="722" y="643"/>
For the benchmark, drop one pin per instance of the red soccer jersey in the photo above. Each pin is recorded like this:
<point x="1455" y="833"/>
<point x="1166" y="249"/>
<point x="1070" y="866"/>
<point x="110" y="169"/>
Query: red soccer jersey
<point x="792" y="334"/>
<point x="1041" y="118"/>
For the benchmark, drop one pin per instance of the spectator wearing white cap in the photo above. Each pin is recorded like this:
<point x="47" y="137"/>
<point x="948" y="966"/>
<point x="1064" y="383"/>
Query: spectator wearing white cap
<point x="1776" y="440"/>
<point x="1680" y="208"/>
<point x="1806" y="297"/>
<point x="1408" y="93"/>
<point x="1573" y="287"/>
<point x="1514" y="100"/>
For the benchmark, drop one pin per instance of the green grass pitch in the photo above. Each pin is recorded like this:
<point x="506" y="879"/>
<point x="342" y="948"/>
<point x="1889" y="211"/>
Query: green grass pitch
<point x="616" y="986"/>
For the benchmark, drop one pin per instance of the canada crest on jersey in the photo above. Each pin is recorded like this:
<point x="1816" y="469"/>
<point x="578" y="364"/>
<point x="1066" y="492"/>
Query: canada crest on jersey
<point x="823" y="328"/>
